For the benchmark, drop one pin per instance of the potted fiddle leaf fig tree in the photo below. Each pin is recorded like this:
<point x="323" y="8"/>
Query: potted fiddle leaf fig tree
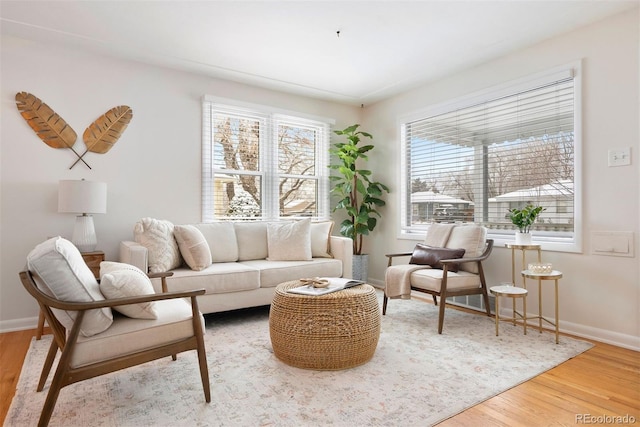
<point x="524" y="219"/>
<point x="359" y="195"/>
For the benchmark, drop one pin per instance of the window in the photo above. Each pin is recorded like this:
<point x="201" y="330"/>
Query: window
<point x="258" y="163"/>
<point x="473" y="160"/>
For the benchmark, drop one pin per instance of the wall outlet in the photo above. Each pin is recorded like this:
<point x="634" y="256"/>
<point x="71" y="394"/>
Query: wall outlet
<point x="620" y="157"/>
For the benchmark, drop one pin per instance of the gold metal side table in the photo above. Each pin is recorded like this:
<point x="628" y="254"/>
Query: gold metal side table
<point x="555" y="275"/>
<point x="523" y="249"/>
<point x="511" y="292"/>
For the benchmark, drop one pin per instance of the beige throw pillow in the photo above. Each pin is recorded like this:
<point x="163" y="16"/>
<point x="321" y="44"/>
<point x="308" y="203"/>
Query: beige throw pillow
<point x="321" y="239"/>
<point x="289" y="241"/>
<point x="157" y="236"/>
<point x="120" y="280"/>
<point x="193" y="247"/>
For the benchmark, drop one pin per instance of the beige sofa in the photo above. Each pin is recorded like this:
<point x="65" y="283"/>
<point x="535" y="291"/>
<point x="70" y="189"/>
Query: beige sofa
<point x="239" y="264"/>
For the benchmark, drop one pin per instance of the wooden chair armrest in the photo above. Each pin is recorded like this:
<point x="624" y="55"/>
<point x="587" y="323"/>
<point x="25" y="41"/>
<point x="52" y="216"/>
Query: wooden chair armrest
<point x="163" y="278"/>
<point x="81" y="306"/>
<point x="398" y="254"/>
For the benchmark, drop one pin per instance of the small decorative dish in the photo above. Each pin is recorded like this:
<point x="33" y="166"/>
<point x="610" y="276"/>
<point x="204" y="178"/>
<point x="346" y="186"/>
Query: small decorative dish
<point x="540" y="267"/>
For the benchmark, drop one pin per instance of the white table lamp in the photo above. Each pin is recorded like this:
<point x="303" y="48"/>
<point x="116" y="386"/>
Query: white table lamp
<point x="83" y="197"/>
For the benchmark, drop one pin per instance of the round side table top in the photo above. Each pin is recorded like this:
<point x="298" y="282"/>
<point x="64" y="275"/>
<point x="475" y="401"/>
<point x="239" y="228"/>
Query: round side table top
<point x="508" y="291"/>
<point x="555" y="274"/>
<point x="525" y="247"/>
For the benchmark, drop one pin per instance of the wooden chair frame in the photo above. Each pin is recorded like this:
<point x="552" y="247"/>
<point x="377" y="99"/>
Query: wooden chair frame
<point x="445" y="293"/>
<point x="66" y="341"/>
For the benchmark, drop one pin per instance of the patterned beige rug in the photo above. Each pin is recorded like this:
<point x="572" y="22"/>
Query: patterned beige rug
<point x="416" y="377"/>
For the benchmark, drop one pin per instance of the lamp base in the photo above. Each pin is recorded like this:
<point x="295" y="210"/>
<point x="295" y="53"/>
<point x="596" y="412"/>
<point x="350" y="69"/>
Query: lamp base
<point x="84" y="234"/>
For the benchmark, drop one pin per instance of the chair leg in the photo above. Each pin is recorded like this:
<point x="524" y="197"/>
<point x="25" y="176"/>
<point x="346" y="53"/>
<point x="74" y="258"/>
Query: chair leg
<point x="204" y="370"/>
<point x="443" y="303"/>
<point x="40" y="325"/>
<point x="51" y="355"/>
<point x="435" y="300"/>
<point x="384" y="305"/>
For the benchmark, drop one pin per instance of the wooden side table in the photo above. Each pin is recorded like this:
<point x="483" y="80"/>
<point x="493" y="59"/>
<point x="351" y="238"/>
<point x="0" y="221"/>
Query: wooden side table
<point x="93" y="260"/>
<point x="555" y="275"/>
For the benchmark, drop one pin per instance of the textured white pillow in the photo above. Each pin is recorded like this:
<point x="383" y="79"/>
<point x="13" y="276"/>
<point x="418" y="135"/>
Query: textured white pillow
<point x="62" y="273"/>
<point x="221" y="239"/>
<point x="193" y="247"/>
<point x="320" y="239"/>
<point x="119" y="280"/>
<point x="289" y="241"/>
<point x="157" y="236"/>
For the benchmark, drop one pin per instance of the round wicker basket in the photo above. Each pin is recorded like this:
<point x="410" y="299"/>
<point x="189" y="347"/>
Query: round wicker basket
<point x="328" y="332"/>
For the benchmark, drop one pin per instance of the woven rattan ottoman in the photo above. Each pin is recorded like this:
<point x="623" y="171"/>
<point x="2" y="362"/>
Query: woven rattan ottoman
<point x="327" y="332"/>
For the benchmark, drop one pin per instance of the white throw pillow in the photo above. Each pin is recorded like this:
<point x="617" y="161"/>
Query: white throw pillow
<point x="193" y="247"/>
<point x="289" y="241"/>
<point x="157" y="236"/>
<point x="61" y="272"/>
<point x="119" y="280"/>
<point x="221" y="239"/>
<point x="321" y="239"/>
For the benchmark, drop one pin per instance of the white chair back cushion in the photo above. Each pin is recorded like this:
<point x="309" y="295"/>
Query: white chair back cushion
<point x="472" y="238"/>
<point x="60" y="272"/>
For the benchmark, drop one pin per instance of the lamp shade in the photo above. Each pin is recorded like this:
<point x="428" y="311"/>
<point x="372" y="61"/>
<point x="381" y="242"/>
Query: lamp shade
<point x="80" y="196"/>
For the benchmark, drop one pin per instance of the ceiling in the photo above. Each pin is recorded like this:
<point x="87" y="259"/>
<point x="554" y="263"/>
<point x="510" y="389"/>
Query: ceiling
<point x="352" y="52"/>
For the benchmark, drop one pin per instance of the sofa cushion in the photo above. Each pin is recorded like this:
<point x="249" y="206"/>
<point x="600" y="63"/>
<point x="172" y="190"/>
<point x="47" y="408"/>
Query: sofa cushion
<point x="222" y="240"/>
<point x="61" y="272"/>
<point x="252" y="240"/>
<point x="274" y="272"/>
<point x="218" y="278"/>
<point x="289" y="241"/>
<point x="193" y="246"/>
<point x="321" y="239"/>
<point x="472" y="238"/>
<point x="157" y="236"/>
<point x="120" y="280"/>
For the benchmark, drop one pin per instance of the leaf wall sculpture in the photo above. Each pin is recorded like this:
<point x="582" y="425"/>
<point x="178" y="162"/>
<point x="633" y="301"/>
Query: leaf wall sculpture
<point x="105" y="131"/>
<point x="46" y="123"/>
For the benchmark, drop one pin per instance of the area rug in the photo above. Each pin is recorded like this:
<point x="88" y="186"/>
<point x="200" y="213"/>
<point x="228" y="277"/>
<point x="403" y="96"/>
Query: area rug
<point x="416" y="377"/>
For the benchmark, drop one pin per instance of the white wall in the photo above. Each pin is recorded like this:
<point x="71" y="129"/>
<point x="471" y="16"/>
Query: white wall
<point x="599" y="295"/>
<point x="153" y="170"/>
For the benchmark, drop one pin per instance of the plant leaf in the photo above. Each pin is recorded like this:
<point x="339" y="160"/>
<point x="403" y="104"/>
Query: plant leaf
<point x="103" y="133"/>
<point x="46" y="123"/>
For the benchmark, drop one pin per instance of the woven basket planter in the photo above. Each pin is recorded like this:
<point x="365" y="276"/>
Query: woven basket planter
<point x="328" y="332"/>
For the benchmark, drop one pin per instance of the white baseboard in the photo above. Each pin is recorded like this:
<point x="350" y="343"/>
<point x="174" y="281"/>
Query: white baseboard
<point x="18" y="324"/>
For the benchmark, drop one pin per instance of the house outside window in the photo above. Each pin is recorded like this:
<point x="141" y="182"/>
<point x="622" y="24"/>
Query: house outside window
<point x="261" y="163"/>
<point x="473" y="159"/>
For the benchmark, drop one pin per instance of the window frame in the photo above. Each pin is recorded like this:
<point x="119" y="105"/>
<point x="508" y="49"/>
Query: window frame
<point x="268" y="152"/>
<point x="502" y="237"/>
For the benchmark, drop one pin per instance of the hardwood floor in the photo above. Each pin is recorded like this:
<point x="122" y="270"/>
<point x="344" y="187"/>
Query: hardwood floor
<point x="604" y="381"/>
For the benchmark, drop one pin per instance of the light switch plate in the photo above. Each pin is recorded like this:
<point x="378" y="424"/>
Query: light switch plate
<point x="619" y="157"/>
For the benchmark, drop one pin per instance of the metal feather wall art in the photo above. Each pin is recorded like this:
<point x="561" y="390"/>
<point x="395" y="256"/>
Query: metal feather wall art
<point x="54" y="131"/>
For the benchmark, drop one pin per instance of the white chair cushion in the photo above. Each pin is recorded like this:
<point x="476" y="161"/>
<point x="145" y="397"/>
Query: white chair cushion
<point x="193" y="246"/>
<point x="61" y="272"/>
<point x="157" y="236"/>
<point x="321" y="239"/>
<point x="289" y="241"/>
<point x="119" y="280"/>
<point x="431" y="279"/>
<point x="222" y="241"/>
<point x="472" y="238"/>
<point x="128" y="335"/>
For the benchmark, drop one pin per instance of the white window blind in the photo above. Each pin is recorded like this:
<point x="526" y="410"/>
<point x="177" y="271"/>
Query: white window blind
<point x="262" y="164"/>
<point x="474" y="162"/>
